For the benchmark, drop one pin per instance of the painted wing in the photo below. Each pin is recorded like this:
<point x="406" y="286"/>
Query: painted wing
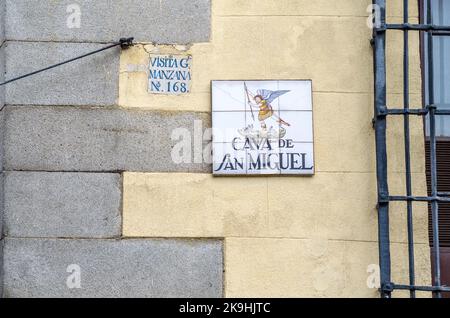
<point x="270" y="96"/>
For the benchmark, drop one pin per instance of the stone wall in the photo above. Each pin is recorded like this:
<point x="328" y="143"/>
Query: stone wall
<point x="66" y="144"/>
<point x="2" y="129"/>
<point x="289" y="236"/>
<point x="89" y="179"/>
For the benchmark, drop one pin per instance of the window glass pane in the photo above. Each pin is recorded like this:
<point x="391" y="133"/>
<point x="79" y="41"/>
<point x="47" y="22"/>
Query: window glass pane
<point x="441" y="61"/>
<point x="441" y="16"/>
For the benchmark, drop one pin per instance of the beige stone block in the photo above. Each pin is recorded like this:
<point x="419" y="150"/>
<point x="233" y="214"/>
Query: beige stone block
<point x="340" y="206"/>
<point x="356" y="8"/>
<point x="345" y="139"/>
<point x="239" y="48"/>
<point x="193" y="205"/>
<point x="343" y="133"/>
<point x="334" y="52"/>
<point x="395" y="136"/>
<point x="396" y="143"/>
<point x="326" y="206"/>
<point x="398" y="210"/>
<point x="133" y="83"/>
<point x="311" y="268"/>
<point x="327" y="42"/>
<point x="394" y="63"/>
<point x="290" y="7"/>
<point x="329" y="205"/>
<point x="394" y="11"/>
<point x="237" y="52"/>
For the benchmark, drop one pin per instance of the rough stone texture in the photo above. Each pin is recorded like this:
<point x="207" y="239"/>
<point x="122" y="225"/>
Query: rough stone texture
<point x="75" y="139"/>
<point x="316" y="267"/>
<point x="2" y="127"/>
<point x="2" y="75"/>
<point x="200" y="205"/>
<point x="2" y="102"/>
<point x="42" y="204"/>
<point x="89" y="81"/>
<point x="2" y="204"/>
<point x="1" y="267"/>
<point x="2" y="21"/>
<point x="174" y="21"/>
<point x="109" y="268"/>
<point x="2" y="135"/>
<point x="346" y="8"/>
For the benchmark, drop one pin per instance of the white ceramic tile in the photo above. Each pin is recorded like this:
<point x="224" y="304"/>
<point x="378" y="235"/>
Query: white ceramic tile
<point x="233" y="121"/>
<point x="264" y="158"/>
<point x="297" y="158"/>
<point x="231" y="95"/>
<point x="228" y="96"/>
<point x="271" y="128"/>
<point x="299" y="96"/>
<point x="301" y="125"/>
<point x="226" y="125"/>
<point x="255" y="88"/>
<point x="227" y="160"/>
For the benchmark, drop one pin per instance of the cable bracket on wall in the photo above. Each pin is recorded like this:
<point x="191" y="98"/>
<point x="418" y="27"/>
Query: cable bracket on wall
<point x="124" y="43"/>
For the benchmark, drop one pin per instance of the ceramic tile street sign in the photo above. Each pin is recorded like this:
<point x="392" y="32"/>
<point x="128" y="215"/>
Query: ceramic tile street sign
<point x="169" y="74"/>
<point x="262" y="127"/>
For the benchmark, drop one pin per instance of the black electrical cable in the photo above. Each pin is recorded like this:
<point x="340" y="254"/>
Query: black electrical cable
<point x="124" y="44"/>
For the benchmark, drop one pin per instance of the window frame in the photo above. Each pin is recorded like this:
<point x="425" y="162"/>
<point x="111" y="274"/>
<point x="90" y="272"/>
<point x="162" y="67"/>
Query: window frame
<point x="428" y="112"/>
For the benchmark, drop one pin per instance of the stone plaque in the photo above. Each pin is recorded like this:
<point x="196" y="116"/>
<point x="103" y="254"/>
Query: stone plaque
<point x="262" y="127"/>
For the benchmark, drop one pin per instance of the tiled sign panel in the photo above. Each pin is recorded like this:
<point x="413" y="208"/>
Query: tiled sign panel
<point x="262" y="128"/>
<point x="169" y="74"/>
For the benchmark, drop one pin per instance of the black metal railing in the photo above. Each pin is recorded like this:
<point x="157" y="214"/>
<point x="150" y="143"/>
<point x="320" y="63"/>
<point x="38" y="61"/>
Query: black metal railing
<point x="429" y="112"/>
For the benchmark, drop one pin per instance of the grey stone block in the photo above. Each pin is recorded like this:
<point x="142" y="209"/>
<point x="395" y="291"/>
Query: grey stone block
<point x="2" y="20"/>
<point x="2" y="76"/>
<point x="108" y="268"/>
<point x="174" y="21"/>
<point x="45" y="204"/>
<point x="1" y="268"/>
<point x="2" y="135"/>
<point x="93" y="80"/>
<point x="2" y="204"/>
<point x="96" y="139"/>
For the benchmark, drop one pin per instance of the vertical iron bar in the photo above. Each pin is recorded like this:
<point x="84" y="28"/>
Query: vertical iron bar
<point x="407" y="149"/>
<point x="442" y="83"/>
<point x="379" y="44"/>
<point x="432" y="109"/>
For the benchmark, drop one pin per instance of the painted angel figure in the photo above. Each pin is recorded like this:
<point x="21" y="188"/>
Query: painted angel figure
<point x="263" y="100"/>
